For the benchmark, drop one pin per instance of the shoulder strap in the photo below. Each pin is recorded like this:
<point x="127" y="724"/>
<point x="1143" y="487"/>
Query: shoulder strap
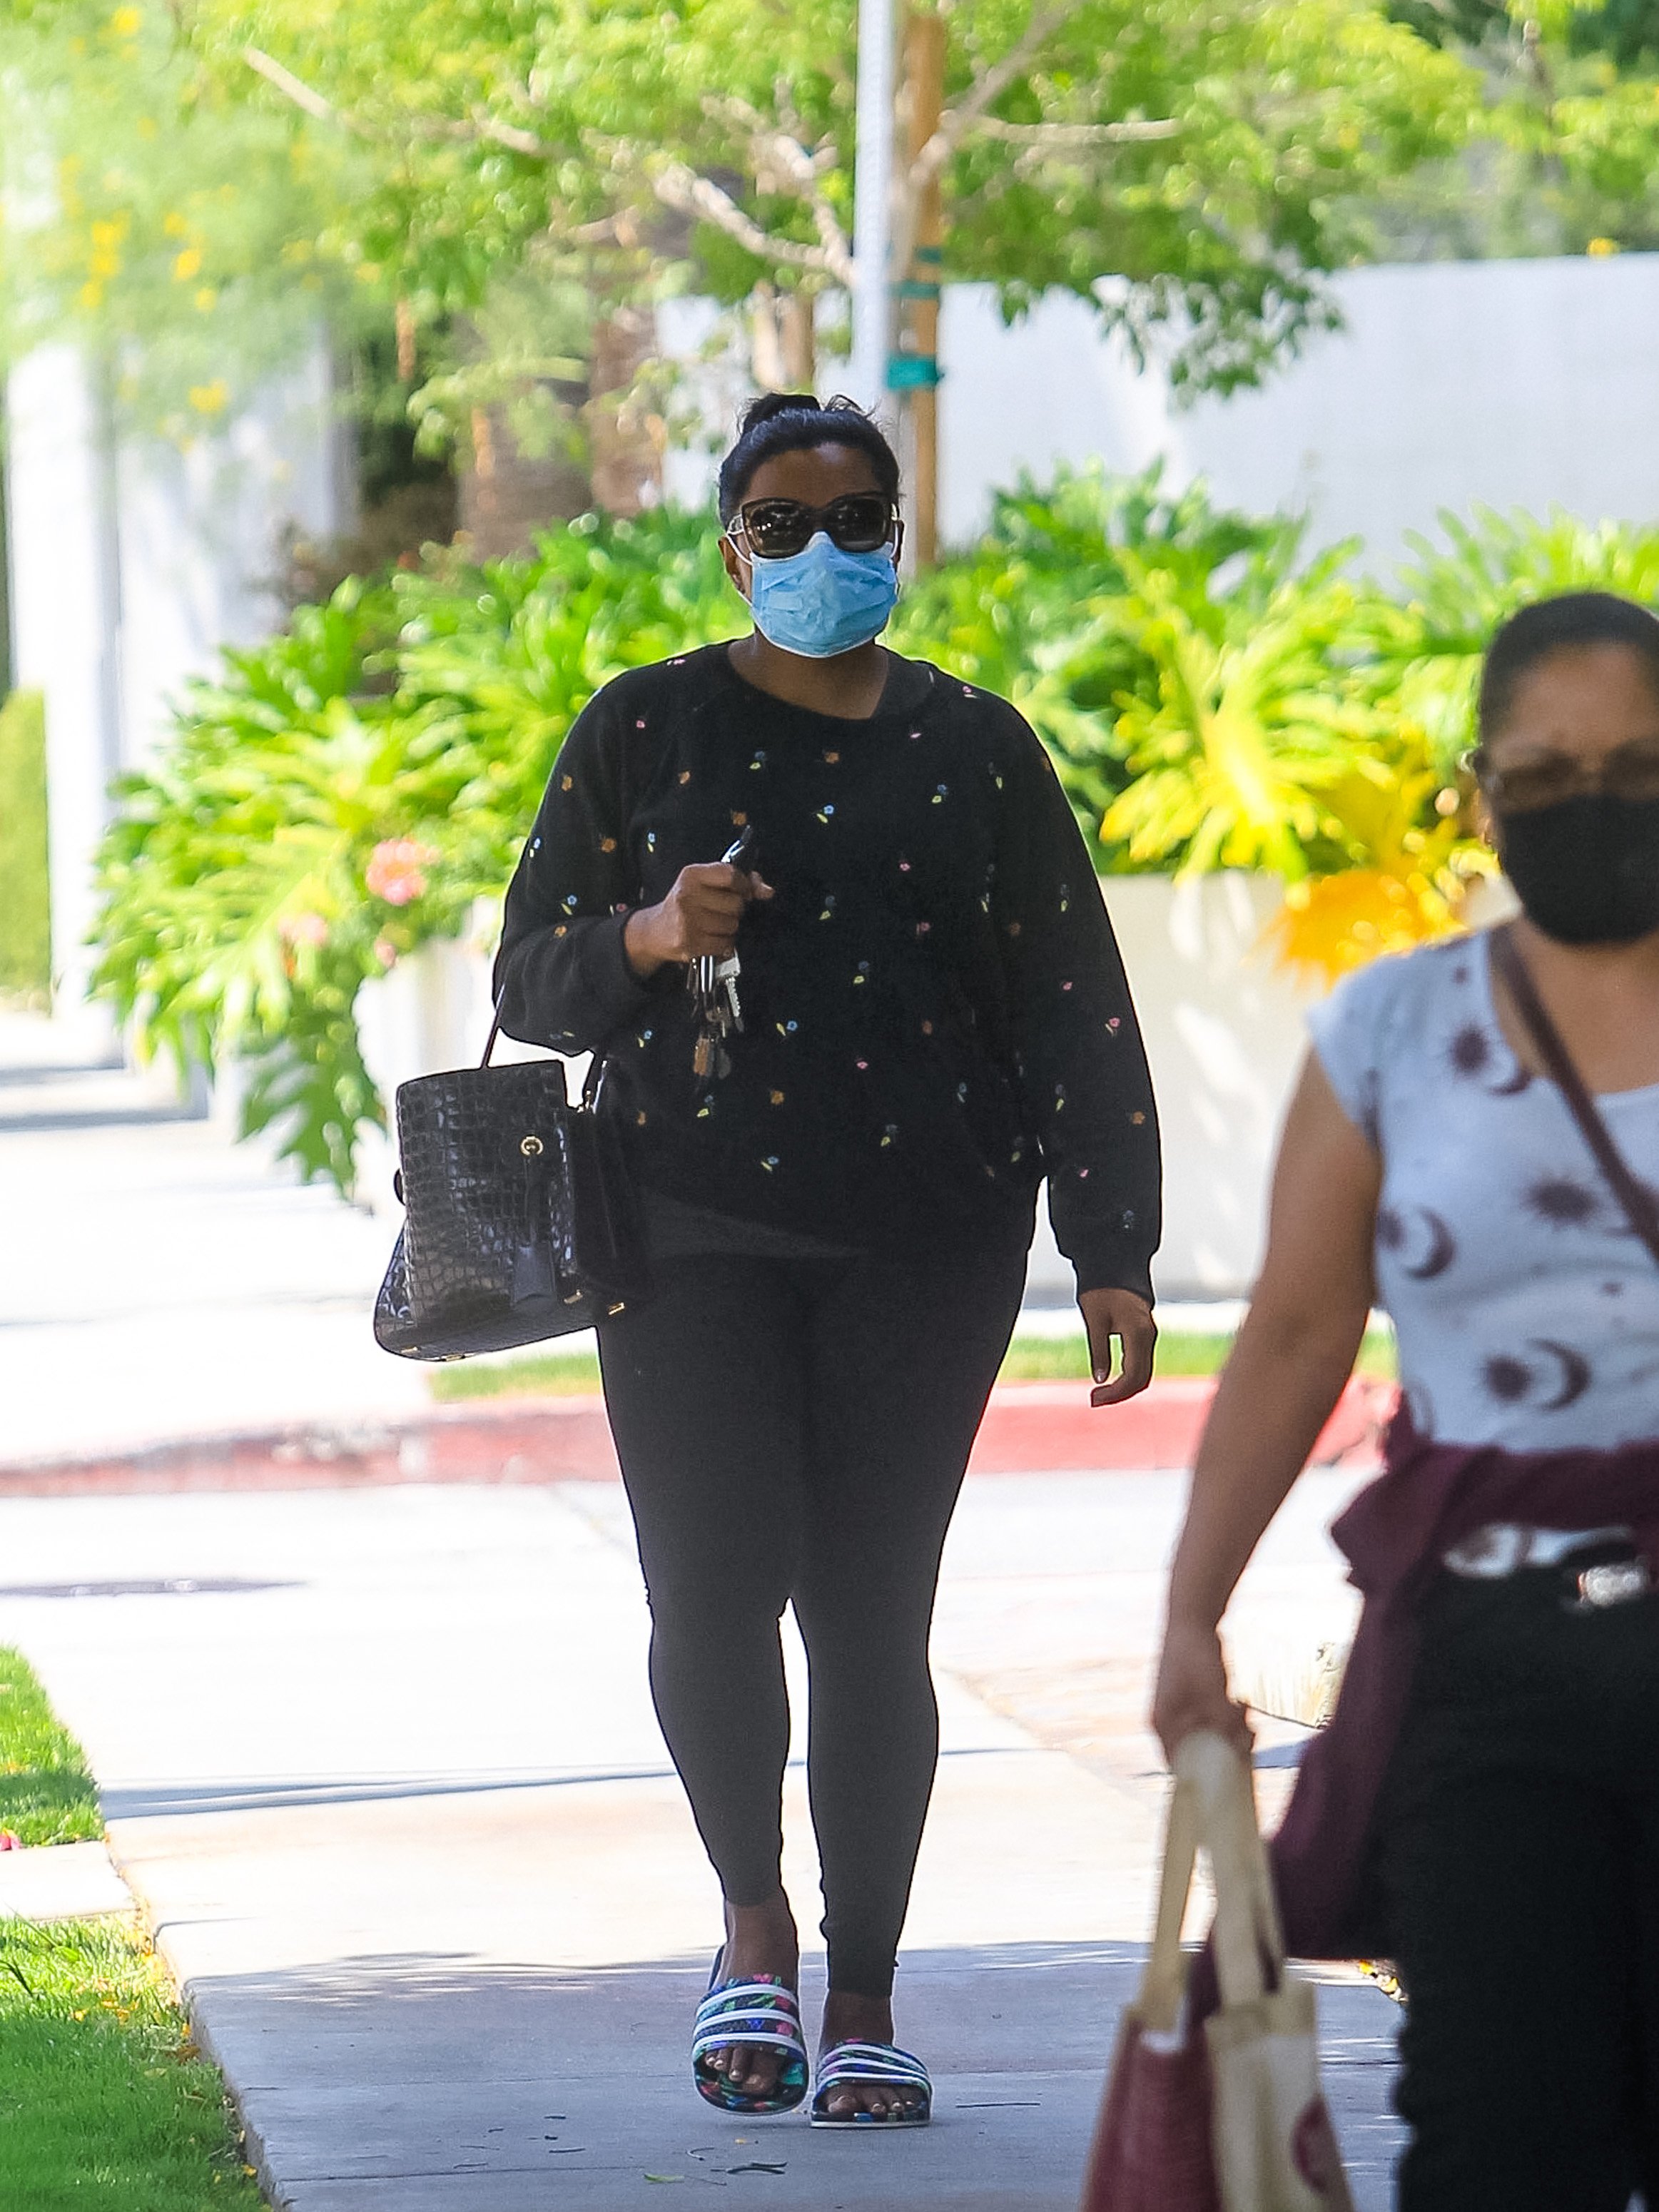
<point x="1640" y="1207"/>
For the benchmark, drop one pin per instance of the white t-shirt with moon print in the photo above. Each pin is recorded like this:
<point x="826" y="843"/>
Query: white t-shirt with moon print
<point x="1526" y="1307"/>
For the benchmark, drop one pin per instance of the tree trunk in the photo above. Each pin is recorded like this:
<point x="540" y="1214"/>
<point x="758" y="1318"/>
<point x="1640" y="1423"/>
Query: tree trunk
<point x="783" y="341"/>
<point x="626" y="436"/>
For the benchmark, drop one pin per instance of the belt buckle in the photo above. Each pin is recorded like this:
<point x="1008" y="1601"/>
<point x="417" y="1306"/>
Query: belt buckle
<point x="1610" y="1582"/>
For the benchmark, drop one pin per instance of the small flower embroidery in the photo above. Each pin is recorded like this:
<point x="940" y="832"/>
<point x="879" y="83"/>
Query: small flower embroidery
<point x="640" y="724"/>
<point x="1136" y="1119"/>
<point x="758" y="762"/>
<point x="889" y="1133"/>
<point x="927" y="1029"/>
<point x="769" y="1162"/>
<point x="739" y="821"/>
<point x="833" y="759"/>
<point x="785" y="1029"/>
<point x="1014" y="928"/>
<point x="825" y="813"/>
<point x="942" y="792"/>
<point x="777" y="1098"/>
<point x="566" y="783"/>
<point x="863" y="972"/>
<point x="607" y="844"/>
<point x="685" y="776"/>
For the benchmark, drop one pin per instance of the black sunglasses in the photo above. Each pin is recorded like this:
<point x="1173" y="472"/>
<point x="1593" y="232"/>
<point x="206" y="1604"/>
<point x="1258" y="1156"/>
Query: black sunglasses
<point x="1631" y="771"/>
<point x="773" y="529"/>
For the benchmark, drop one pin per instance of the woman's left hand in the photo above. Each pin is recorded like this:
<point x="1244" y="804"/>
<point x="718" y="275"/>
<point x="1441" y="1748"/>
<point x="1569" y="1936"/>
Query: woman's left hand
<point x="1119" y="1314"/>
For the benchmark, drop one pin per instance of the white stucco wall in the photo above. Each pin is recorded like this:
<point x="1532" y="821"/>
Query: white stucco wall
<point x="131" y="564"/>
<point x="1506" y="384"/>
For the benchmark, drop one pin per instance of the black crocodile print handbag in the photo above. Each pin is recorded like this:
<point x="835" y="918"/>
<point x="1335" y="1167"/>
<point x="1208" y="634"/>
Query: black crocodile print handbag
<point x="520" y="1222"/>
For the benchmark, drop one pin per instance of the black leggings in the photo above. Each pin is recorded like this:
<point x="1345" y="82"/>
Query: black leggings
<point x="798" y="1430"/>
<point x="1520" y="1867"/>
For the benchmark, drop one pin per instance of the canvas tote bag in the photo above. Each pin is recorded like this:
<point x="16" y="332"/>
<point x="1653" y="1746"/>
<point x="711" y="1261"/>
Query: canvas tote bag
<point x="1232" y="2121"/>
<point x="1152" y="2149"/>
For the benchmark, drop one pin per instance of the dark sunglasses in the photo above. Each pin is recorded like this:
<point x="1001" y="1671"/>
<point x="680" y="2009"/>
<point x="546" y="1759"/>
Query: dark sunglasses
<point x="773" y="529"/>
<point x="1630" y="772"/>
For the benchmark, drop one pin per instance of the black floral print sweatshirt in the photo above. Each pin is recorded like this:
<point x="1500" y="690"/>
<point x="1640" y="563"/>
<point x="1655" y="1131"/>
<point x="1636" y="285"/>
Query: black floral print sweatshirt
<point x="935" y="1013"/>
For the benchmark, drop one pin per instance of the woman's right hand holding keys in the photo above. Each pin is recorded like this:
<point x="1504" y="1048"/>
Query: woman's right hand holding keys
<point x="697" y="921"/>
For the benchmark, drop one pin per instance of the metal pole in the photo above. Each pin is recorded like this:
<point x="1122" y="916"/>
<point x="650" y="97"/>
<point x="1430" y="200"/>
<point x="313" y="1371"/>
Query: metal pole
<point x="872" y="186"/>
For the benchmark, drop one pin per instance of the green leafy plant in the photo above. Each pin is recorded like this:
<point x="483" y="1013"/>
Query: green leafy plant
<point x="346" y="792"/>
<point x="1211" y="699"/>
<point x="26" y="909"/>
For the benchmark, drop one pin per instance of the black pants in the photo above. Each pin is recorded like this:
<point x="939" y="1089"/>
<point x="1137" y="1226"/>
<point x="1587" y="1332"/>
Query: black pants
<point x="1520" y="1860"/>
<point x="798" y="1430"/>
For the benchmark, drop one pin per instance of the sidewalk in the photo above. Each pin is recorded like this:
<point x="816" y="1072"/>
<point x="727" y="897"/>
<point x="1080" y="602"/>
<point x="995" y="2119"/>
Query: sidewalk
<point x="393" y="1798"/>
<point x="158" y="1281"/>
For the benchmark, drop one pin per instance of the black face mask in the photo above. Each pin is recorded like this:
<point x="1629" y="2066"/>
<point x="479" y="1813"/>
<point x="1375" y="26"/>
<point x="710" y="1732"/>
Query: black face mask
<point x="1586" y="870"/>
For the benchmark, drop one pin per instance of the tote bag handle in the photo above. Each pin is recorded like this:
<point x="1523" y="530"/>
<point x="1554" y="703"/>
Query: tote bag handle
<point x="1248" y="1937"/>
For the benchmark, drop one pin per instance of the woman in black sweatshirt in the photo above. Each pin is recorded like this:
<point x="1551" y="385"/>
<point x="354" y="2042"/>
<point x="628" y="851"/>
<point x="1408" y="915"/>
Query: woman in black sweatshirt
<point x="839" y="1194"/>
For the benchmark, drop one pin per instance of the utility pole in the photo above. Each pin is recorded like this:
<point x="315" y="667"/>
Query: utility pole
<point x="872" y="188"/>
<point x="914" y="370"/>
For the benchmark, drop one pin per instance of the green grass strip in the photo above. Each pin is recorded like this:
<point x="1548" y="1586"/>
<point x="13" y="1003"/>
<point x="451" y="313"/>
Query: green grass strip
<point x="46" y="1792"/>
<point x="105" y="2105"/>
<point x="1031" y="1360"/>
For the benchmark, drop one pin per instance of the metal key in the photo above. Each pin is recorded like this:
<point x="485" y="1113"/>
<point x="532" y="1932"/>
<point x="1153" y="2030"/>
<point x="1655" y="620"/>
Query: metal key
<point x="713" y="986"/>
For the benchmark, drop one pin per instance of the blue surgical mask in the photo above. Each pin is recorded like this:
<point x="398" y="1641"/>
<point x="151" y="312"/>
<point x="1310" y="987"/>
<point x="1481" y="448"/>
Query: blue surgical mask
<point x="821" y="601"/>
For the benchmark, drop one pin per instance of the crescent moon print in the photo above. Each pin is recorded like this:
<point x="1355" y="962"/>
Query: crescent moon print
<point x="1474" y="1054"/>
<point x="1418" y="1239"/>
<point x="1566" y="1373"/>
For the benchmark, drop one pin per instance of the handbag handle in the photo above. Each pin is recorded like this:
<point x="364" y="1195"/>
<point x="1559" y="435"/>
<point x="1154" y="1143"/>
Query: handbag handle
<point x="1248" y="1936"/>
<point x="592" y="1082"/>
<point x="1163" y="1985"/>
<point x="1641" y="1210"/>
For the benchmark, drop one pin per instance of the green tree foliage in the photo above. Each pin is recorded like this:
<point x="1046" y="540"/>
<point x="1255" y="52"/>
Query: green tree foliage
<point x="1202" y="158"/>
<point x="146" y="210"/>
<point x="1567" y="150"/>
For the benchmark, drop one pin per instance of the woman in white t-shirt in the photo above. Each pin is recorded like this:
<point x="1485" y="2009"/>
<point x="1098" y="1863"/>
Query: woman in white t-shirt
<point x="1484" y="1806"/>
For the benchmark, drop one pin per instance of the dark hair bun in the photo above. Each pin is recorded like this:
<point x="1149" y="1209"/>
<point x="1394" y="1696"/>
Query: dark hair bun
<point x="776" y="403"/>
<point x="783" y="422"/>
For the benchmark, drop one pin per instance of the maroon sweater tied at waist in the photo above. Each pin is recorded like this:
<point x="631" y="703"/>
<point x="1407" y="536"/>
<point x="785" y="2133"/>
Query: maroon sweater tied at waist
<point x="1394" y="1536"/>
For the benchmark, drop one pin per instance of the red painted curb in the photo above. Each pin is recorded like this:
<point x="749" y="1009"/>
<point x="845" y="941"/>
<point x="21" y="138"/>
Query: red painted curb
<point x="1029" y="1428"/>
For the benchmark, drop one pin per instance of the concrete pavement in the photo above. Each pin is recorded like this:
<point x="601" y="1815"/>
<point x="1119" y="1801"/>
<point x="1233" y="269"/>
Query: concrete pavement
<point x="388" y="1785"/>
<point x="157" y="1280"/>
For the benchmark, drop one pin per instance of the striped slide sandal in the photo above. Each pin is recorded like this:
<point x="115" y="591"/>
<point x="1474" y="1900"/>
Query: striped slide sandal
<point x="762" y="2011"/>
<point x="864" y="2065"/>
